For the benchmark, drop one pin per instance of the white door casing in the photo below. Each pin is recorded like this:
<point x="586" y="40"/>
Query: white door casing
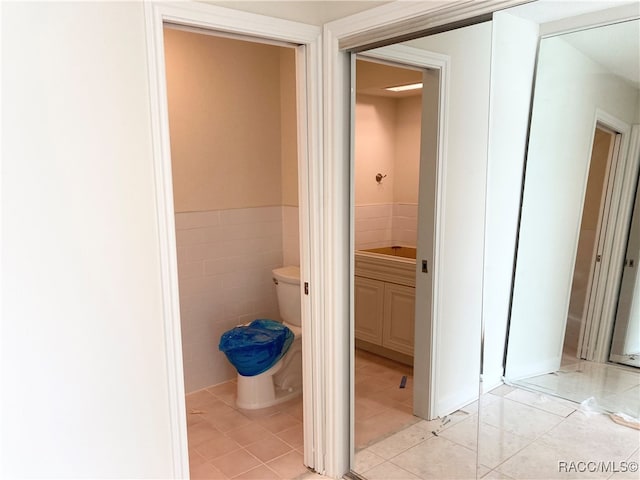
<point x="431" y="214"/>
<point x="539" y="307"/>
<point x="309" y="97"/>
<point x="601" y="271"/>
<point x="355" y="32"/>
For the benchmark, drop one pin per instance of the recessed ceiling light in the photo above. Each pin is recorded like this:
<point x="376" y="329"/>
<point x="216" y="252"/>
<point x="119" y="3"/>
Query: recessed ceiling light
<point x="404" y="88"/>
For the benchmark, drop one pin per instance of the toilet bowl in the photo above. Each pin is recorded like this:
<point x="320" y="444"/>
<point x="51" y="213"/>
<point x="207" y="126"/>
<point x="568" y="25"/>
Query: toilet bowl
<point x="283" y="380"/>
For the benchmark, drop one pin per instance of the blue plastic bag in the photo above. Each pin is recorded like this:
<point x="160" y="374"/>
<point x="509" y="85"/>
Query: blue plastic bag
<point x="255" y="348"/>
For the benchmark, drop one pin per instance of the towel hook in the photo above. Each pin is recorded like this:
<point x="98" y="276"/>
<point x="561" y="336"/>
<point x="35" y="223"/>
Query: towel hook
<point x="379" y="177"/>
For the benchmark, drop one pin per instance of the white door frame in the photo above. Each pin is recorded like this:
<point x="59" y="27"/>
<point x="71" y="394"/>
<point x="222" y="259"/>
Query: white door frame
<point x="378" y="24"/>
<point x="426" y="333"/>
<point x="309" y="97"/>
<point x="614" y="241"/>
<point x="601" y="272"/>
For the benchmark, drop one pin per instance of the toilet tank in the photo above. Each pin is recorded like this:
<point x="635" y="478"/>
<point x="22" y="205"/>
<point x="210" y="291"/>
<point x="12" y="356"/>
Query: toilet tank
<point x="287" y="280"/>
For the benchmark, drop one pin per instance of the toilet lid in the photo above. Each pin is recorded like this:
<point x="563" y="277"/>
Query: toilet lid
<point x="255" y="348"/>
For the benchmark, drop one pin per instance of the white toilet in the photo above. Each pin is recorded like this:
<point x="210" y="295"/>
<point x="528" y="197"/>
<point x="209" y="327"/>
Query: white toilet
<point x="282" y="381"/>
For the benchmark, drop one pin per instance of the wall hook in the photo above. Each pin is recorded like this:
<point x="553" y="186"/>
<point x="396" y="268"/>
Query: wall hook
<point x="379" y="177"/>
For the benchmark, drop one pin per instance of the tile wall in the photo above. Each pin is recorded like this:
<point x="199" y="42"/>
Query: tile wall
<point x="225" y="258"/>
<point x="385" y="225"/>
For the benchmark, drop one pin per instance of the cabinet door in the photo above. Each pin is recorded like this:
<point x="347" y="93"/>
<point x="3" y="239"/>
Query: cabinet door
<point x="368" y="305"/>
<point x="399" y="314"/>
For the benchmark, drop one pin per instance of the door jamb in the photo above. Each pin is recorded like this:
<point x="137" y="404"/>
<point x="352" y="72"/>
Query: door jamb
<point x="309" y="97"/>
<point x="601" y="295"/>
<point x="424" y="398"/>
<point x="381" y="24"/>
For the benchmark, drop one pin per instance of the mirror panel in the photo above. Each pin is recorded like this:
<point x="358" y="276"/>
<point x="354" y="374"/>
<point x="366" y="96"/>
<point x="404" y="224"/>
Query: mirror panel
<point x="578" y="195"/>
<point x="447" y="192"/>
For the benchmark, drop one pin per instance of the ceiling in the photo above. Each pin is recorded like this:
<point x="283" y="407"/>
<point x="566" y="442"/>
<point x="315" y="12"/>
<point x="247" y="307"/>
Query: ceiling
<point x="372" y="78"/>
<point x="615" y="47"/>
<point x="305" y="11"/>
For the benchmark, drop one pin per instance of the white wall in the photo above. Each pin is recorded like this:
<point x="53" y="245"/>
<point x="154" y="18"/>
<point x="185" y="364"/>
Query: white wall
<point x="513" y="57"/>
<point x="558" y="161"/>
<point x="460" y="296"/>
<point x="387" y="141"/>
<point x="225" y="258"/>
<point x="232" y="115"/>
<point x="84" y="382"/>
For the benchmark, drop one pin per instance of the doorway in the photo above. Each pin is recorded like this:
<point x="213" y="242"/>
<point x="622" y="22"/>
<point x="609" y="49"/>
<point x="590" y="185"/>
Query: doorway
<point x="304" y="39"/>
<point x="397" y="151"/>
<point x="232" y="117"/>
<point x="387" y="126"/>
<point x="625" y="343"/>
<point x="586" y="271"/>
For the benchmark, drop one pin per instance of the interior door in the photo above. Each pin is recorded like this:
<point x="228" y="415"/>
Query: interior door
<point x="424" y="391"/>
<point x="625" y="345"/>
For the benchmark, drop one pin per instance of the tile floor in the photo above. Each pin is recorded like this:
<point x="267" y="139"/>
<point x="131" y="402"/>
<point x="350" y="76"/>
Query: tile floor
<point x="605" y="387"/>
<point x="523" y="435"/>
<point x="381" y="406"/>
<point x="228" y="443"/>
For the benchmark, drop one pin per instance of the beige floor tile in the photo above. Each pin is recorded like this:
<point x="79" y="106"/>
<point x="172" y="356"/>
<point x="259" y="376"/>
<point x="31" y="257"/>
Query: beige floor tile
<point x="367" y="386"/>
<point x="261" y="472"/>
<point x="296" y="410"/>
<point x="496" y="445"/>
<point x="247" y="434"/>
<point x="200" y="433"/>
<point x="389" y="471"/>
<point x="495" y="475"/>
<point x="502" y="390"/>
<point x="544" y="402"/>
<point x="393" y="395"/>
<point x="195" y="458"/>
<point x="225" y="392"/>
<point x="438" y="458"/>
<point x="235" y="463"/>
<point x="278" y="422"/>
<point x="193" y="418"/>
<point x="592" y="437"/>
<point x="366" y="408"/>
<point x="216" y="447"/>
<point x="268" y="448"/>
<point x="293" y="436"/>
<point x="628" y="470"/>
<point x="521" y="420"/>
<point x="312" y="476"/>
<point x="229" y="421"/>
<point x="539" y="461"/>
<point x="399" y="442"/>
<point x="265" y="412"/>
<point x="381" y="426"/>
<point x="438" y="425"/>
<point x="215" y="411"/>
<point x="200" y="399"/>
<point x="366" y="460"/>
<point x="206" y="471"/>
<point x="289" y="465"/>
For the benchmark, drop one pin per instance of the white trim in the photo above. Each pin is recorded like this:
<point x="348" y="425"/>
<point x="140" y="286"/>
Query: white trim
<point x="619" y="225"/>
<point x="600" y="291"/>
<point x="338" y="262"/>
<point x="310" y="188"/>
<point x="167" y="240"/>
<point x="410" y="18"/>
<point x="423" y="59"/>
